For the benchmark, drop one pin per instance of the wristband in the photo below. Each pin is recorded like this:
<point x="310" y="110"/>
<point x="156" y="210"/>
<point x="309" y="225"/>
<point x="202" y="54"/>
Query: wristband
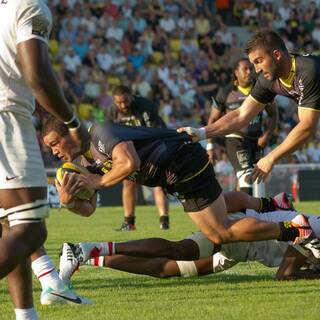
<point x="202" y="135"/>
<point x="209" y="146"/>
<point x="69" y="205"/>
<point x="74" y="123"/>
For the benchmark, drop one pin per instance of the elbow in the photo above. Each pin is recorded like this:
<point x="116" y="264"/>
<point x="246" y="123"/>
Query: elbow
<point x="132" y="165"/>
<point x="285" y="275"/>
<point x="35" y="81"/>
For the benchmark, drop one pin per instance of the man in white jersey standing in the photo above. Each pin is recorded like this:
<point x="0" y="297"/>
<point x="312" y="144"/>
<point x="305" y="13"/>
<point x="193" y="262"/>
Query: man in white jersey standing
<point x="25" y="71"/>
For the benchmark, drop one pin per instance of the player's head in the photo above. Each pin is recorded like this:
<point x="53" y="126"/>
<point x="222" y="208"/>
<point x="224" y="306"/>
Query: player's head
<point x="267" y="52"/>
<point x="55" y="135"/>
<point x="243" y="73"/>
<point x="123" y="98"/>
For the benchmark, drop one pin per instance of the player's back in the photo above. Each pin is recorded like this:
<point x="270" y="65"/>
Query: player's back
<point x="21" y="20"/>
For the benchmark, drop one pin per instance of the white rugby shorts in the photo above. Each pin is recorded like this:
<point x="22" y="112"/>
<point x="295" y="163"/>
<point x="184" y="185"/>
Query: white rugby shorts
<point x="21" y="164"/>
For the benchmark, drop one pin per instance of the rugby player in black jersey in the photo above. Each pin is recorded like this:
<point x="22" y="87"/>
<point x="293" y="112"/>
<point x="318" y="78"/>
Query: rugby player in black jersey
<point x="293" y="76"/>
<point x="132" y="110"/>
<point x="159" y="157"/>
<point x="244" y="147"/>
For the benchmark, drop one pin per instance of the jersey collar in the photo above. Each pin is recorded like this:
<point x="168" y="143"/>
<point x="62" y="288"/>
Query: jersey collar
<point x="288" y="82"/>
<point x="245" y="90"/>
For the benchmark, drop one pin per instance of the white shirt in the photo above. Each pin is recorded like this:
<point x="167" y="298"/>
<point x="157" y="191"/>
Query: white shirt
<point x="21" y="20"/>
<point x="269" y="253"/>
<point x="105" y="61"/>
<point x="168" y="25"/>
<point x="72" y="62"/>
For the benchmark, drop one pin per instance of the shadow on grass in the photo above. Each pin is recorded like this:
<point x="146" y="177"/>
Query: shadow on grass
<point x="144" y="281"/>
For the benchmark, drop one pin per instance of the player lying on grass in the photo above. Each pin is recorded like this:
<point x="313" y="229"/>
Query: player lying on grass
<point x="162" y="258"/>
<point x="165" y="158"/>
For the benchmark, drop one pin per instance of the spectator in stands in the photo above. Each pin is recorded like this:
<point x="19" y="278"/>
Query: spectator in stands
<point x="71" y="61"/>
<point x="167" y="23"/>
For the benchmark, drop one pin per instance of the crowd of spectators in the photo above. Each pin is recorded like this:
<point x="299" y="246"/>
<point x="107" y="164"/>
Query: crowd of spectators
<point x="176" y="52"/>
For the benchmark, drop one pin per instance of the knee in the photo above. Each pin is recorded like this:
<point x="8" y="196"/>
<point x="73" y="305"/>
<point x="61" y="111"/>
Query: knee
<point x="224" y="236"/>
<point x="33" y="235"/>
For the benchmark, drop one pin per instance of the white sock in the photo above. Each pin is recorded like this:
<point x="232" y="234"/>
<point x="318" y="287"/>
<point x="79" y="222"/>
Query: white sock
<point x="26" y="314"/>
<point x="47" y="274"/>
<point x="97" y="262"/>
<point x="104" y="249"/>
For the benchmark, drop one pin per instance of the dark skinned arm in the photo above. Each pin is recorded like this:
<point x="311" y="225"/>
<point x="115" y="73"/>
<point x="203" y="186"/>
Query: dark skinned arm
<point x="290" y="268"/>
<point x="39" y="76"/>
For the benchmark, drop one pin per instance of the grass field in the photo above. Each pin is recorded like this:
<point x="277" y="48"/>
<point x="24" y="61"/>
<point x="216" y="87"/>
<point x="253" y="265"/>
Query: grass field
<point x="248" y="291"/>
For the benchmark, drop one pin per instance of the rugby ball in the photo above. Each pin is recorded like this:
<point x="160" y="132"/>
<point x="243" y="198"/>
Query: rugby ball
<point x="69" y="167"/>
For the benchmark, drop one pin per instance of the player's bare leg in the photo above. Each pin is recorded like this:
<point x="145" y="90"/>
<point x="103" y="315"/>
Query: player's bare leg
<point x="19" y="281"/>
<point x="216" y="226"/>
<point x="155" y="267"/>
<point x="22" y="239"/>
<point x="129" y="199"/>
<point x="185" y="249"/>
<point x="162" y="204"/>
<point x="158" y="267"/>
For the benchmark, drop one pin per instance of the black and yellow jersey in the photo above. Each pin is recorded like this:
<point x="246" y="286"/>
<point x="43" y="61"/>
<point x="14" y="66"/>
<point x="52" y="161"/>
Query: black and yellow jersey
<point x="143" y="112"/>
<point x="303" y="84"/>
<point x="230" y="98"/>
<point x="156" y="147"/>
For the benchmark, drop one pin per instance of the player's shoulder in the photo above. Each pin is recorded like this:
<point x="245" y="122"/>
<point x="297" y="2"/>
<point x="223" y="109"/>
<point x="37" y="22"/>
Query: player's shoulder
<point x="223" y="92"/>
<point x="144" y="104"/>
<point x="308" y="65"/>
<point x="24" y="6"/>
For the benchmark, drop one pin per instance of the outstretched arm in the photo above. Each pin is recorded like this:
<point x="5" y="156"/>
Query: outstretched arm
<point x="299" y="135"/>
<point x="273" y="113"/>
<point x="290" y="268"/>
<point x="232" y="121"/>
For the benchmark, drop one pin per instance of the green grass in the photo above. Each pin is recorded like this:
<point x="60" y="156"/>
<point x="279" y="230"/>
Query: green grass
<point x="247" y="291"/>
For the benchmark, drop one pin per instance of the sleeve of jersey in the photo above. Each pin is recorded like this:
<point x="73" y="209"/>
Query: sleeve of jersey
<point x="261" y="91"/>
<point x="220" y="100"/>
<point x="34" y="22"/>
<point x="106" y="137"/>
<point x="157" y="121"/>
<point x="309" y="84"/>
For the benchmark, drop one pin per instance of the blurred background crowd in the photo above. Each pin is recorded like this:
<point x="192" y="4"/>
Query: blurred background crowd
<point x="177" y="53"/>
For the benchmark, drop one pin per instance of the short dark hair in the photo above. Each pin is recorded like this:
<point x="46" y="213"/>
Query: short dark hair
<point x="237" y="63"/>
<point x="120" y="90"/>
<point x="236" y="66"/>
<point x="51" y="123"/>
<point x="267" y="40"/>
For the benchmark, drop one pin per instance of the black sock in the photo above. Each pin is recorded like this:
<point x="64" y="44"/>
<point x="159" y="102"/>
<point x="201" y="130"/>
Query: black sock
<point x="164" y="219"/>
<point x="247" y="190"/>
<point x="287" y="231"/>
<point x="130" y="220"/>
<point x="267" y="205"/>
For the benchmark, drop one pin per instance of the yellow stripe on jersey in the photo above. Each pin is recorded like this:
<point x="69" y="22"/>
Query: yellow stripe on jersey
<point x="255" y="100"/>
<point x="311" y="108"/>
<point x="288" y="82"/>
<point x="88" y="154"/>
<point x="196" y="174"/>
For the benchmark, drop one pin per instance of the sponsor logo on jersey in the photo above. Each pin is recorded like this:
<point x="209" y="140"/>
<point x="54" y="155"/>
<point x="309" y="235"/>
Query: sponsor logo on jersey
<point x="101" y="147"/>
<point x="40" y="27"/>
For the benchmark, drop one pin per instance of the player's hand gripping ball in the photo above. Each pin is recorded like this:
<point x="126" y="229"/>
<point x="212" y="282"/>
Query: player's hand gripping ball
<point x="69" y="167"/>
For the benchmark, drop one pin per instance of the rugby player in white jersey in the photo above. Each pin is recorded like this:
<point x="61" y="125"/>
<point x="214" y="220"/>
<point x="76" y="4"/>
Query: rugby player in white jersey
<point x="158" y="257"/>
<point x="161" y="258"/>
<point x="25" y="73"/>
